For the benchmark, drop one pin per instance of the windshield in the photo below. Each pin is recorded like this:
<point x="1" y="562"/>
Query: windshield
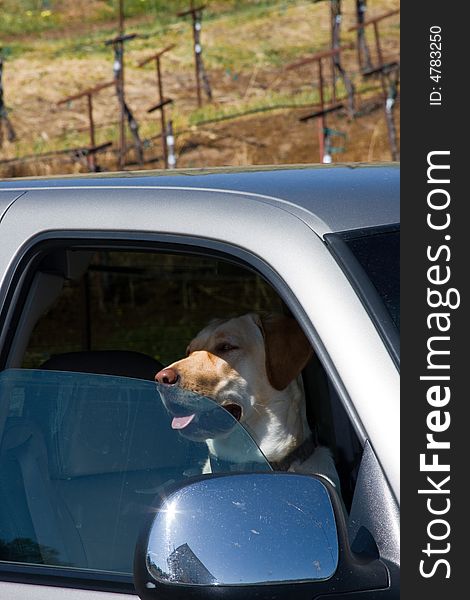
<point x="83" y="456"/>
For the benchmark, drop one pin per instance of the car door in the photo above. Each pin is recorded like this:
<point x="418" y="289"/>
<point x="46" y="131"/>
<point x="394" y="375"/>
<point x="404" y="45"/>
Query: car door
<point x="45" y="228"/>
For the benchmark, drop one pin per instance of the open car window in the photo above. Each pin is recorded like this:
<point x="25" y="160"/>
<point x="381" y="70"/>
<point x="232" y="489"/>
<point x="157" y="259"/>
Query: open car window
<point x="82" y="457"/>
<point x="88" y="440"/>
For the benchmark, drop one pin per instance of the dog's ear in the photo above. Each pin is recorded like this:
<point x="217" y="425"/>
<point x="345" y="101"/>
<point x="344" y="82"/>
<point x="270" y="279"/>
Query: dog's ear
<point x="287" y="349"/>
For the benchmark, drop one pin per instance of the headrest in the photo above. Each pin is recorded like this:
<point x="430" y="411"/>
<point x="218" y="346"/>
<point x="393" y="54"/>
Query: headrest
<point x="124" y="363"/>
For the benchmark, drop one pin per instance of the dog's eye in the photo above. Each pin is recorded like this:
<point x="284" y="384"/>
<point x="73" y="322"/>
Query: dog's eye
<point x="225" y="347"/>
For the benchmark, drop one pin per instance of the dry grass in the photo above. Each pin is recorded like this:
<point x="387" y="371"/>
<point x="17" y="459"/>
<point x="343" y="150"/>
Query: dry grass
<point x="245" y="51"/>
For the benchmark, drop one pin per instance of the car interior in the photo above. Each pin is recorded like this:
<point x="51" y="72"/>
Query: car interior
<point x="75" y="479"/>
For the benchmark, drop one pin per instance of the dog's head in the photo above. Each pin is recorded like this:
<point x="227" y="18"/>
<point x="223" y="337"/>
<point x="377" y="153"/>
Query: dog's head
<point x="241" y="363"/>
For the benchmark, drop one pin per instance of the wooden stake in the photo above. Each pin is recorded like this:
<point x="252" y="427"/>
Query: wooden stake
<point x="162" y="101"/>
<point x="90" y="152"/>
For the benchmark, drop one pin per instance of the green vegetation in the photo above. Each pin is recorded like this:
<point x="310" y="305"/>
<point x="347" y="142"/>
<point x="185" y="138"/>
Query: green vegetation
<point x="19" y="17"/>
<point x="270" y="101"/>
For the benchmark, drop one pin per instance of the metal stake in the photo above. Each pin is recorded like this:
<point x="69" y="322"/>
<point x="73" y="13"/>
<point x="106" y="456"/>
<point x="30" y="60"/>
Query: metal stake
<point x="170" y="140"/>
<point x="3" y="110"/>
<point x="200" y="71"/>
<point x="125" y="112"/>
<point x="90" y="152"/>
<point x="388" y="83"/>
<point x="363" y="53"/>
<point x="323" y="109"/>
<point x="162" y="101"/>
<point x="336" y="17"/>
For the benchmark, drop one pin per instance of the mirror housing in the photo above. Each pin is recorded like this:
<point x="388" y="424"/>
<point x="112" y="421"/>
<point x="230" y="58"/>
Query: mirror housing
<point x="273" y="535"/>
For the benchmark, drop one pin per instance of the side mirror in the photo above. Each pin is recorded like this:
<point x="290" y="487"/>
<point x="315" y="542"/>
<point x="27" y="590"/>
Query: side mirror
<point x="273" y="535"/>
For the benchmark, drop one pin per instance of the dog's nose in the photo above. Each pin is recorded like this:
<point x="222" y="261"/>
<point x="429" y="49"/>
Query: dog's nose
<point x="167" y="376"/>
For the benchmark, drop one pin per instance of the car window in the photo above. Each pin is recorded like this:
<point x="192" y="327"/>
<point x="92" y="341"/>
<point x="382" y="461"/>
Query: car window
<point x="370" y="258"/>
<point x="378" y="253"/>
<point x="89" y="437"/>
<point x="149" y="302"/>
<point x="82" y="457"/>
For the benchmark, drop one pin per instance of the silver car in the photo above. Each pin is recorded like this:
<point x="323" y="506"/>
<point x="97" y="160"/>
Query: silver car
<point x="104" y="279"/>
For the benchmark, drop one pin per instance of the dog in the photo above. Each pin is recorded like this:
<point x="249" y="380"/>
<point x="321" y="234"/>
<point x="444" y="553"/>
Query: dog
<point x="251" y="365"/>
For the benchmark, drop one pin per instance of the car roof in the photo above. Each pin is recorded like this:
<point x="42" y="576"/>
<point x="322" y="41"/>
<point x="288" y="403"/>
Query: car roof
<point x="342" y="197"/>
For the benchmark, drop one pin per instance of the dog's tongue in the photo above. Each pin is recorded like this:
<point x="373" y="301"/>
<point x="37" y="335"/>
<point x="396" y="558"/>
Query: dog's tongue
<point x="181" y="422"/>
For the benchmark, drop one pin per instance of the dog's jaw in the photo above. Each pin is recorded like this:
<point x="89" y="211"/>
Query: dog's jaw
<point x="277" y="424"/>
<point x="275" y="419"/>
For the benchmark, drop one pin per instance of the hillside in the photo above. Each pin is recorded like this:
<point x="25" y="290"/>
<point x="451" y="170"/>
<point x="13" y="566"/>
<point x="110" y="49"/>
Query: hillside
<point x="53" y="49"/>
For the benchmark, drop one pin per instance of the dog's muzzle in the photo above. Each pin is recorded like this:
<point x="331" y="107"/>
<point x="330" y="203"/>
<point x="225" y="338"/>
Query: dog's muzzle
<point x="198" y="417"/>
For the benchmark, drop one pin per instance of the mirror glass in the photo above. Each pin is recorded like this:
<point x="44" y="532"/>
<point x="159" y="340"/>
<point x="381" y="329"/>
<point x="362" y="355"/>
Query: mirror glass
<point x="243" y="530"/>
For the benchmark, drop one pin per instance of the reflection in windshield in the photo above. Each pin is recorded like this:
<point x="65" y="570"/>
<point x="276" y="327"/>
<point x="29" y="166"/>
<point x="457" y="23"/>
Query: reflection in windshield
<point x="28" y="551"/>
<point x="83" y="457"/>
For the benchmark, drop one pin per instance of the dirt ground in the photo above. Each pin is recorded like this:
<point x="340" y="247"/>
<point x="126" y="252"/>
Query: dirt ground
<point x="280" y="138"/>
<point x="35" y="84"/>
<point x="276" y="137"/>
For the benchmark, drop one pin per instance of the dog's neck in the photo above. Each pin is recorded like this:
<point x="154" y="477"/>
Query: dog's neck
<point x="283" y="426"/>
<point x="278" y="426"/>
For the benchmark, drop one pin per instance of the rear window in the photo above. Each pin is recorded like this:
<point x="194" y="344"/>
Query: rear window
<point x="379" y="255"/>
